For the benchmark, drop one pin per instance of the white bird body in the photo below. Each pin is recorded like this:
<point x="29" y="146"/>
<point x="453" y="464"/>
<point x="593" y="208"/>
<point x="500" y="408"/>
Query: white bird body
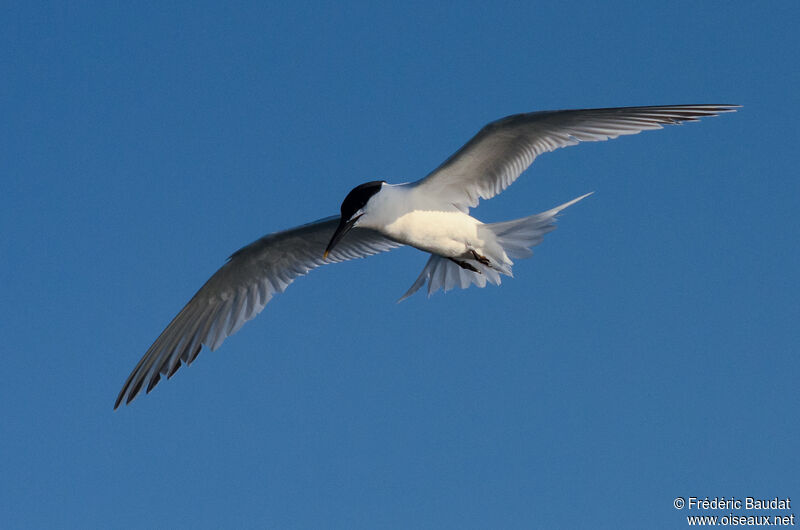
<point x="404" y="215"/>
<point x="431" y="214"/>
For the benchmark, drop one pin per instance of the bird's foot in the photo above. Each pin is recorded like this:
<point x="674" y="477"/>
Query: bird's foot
<point x="465" y="265"/>
<point x="483" y="260"/>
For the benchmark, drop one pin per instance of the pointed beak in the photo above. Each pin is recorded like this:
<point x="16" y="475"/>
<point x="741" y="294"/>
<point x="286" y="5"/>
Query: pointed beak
<point x="341" y="230"/>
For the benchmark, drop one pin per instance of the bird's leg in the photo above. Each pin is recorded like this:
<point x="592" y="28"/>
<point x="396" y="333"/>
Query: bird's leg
<point x="465" y="265"/>
<point x="480" y="259"/>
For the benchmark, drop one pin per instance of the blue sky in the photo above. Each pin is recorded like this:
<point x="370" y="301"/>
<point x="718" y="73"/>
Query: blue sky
<point x="648" y="350"/>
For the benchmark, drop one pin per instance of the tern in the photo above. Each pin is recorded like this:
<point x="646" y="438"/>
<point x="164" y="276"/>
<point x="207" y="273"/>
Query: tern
<point x="431" y="214"/>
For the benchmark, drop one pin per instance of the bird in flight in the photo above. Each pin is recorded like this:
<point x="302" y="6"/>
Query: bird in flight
<point x="431" y="214"/>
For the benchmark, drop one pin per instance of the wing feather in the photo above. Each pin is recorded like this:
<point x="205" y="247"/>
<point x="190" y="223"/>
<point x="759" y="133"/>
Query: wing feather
<point x="240" y="289"/>
<point x="503" y="149"/>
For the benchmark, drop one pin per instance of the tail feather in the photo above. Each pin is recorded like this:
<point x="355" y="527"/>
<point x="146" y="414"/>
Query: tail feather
<point x="515" y="237"/>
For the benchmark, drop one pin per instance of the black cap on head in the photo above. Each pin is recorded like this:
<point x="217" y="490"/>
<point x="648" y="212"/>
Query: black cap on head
<point x="355" y="200"/>
<point x="358" y="197"/>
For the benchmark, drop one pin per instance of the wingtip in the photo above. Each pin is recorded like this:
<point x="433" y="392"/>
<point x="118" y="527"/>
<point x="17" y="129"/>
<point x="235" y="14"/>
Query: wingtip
<point x="153" y="382"/>
<point x="121" y="396"/>
<point x="134" y="391"/>
<point x="726" y="107"/>
<point x="407" y="295"/>
<point x="718" y="108"/>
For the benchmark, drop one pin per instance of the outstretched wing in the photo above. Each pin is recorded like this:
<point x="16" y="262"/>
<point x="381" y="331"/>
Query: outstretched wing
<point x="503" y="149"/>
<point x="240" y="289"/>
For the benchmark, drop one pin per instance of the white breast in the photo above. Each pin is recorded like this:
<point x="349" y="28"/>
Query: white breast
<point x="418" y="221"/>
<point x="448" y="234"/>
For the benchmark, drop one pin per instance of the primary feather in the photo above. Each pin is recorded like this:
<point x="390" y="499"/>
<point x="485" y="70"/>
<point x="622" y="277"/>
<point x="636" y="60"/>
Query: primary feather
<point x="503" y="149"/>
<point x="240" y="289"/>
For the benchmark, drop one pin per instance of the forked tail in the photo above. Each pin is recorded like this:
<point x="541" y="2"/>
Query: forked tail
<point x="516" y="237"/>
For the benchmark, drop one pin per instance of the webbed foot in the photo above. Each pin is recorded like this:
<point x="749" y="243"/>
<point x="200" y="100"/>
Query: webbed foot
<point x="483" y="260"/>
<point x="465" y="265"/>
